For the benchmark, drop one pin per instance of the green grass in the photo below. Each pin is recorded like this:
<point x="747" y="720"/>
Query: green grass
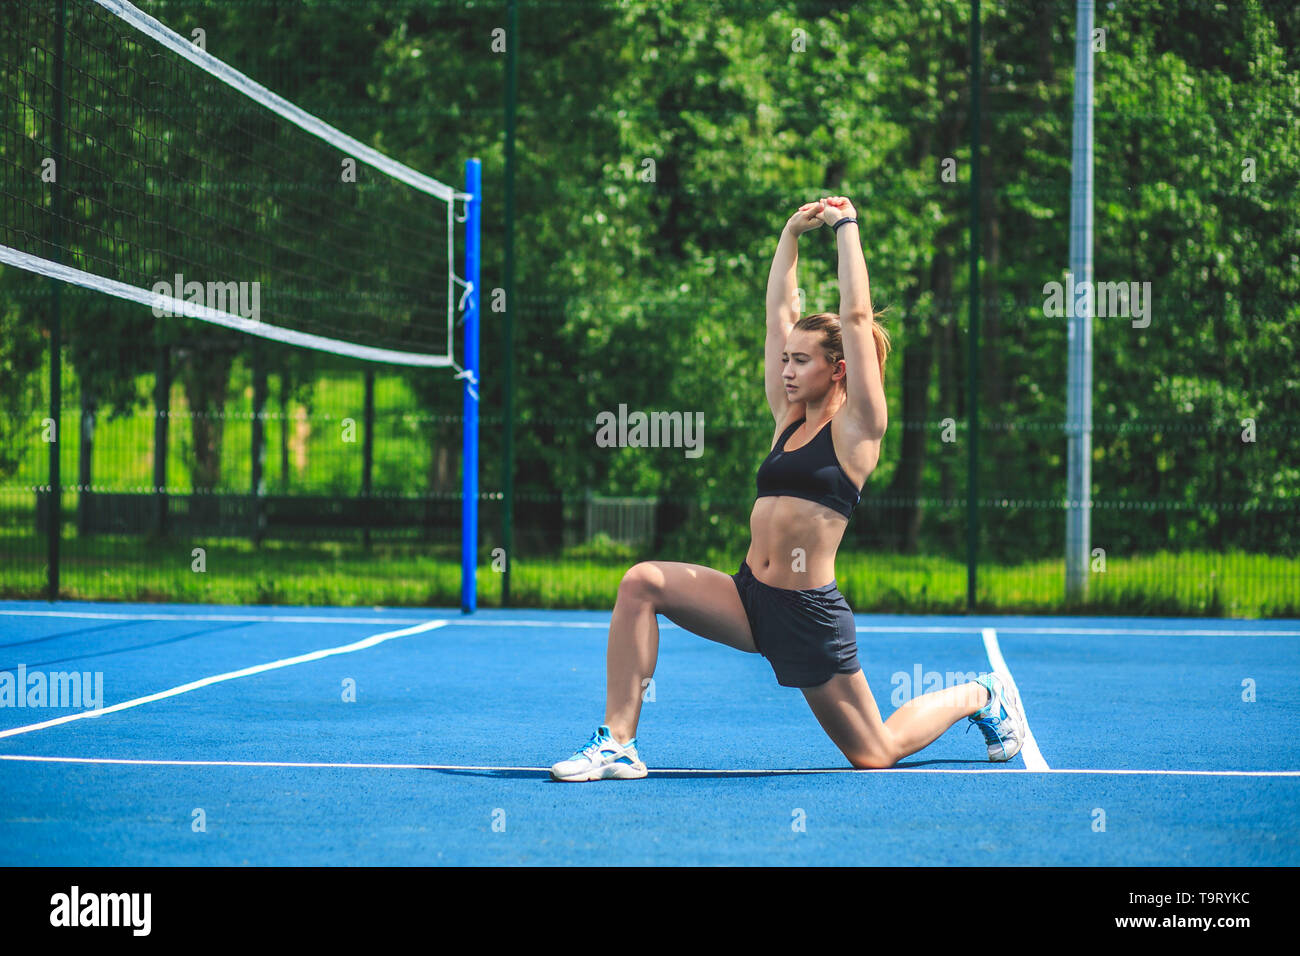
<point x="121" y="568"/>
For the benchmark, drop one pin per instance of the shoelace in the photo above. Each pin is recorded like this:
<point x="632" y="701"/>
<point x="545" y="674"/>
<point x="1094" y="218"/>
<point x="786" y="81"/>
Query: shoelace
<point x="593" y="745"/>
<point x="989" y="727"/>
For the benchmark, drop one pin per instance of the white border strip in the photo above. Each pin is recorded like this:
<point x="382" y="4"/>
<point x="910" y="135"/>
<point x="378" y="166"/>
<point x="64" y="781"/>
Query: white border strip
<point x="245" y="618"/>
<point x="231" y="675"/>
<point x="193" y="310"/>
<point x="277" y="104"/>
<point x="653" y="770"/>
<point x="669" y="626"/>
<point x="1089" y="631"/>
<point x="1029" y="750"/>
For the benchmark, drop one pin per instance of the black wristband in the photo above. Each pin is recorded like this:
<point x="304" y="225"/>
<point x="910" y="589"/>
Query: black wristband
<point x="840" y="222"/>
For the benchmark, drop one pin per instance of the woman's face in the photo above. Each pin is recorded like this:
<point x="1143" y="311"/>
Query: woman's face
<point x="805" y="372"/>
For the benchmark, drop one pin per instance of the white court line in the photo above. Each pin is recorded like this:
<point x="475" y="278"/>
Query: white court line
<point x="248" y="618"/>
<point x="231" y="675"/>
<point x="604" y="624"/>
<point x="1095" y="631"/>
<point x="1029" y="750"/>
<point x="653" y="770"/>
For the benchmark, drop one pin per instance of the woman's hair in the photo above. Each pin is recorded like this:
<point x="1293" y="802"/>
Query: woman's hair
<point x="828" y="324"/>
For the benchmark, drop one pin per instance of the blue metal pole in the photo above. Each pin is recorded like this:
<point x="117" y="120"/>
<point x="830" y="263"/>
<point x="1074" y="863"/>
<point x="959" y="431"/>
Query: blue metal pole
<point x="1078" y="403"/>
<point x="469" y="500"/>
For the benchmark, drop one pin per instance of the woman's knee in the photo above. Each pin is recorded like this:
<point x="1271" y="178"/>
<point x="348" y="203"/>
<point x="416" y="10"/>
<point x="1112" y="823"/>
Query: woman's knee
<point x="878" y="756"/>
<point x="872" y="760"/>
<point x="641" y="582"/>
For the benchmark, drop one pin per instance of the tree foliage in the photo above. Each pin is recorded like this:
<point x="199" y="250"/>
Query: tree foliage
<point x="661" y="144"/>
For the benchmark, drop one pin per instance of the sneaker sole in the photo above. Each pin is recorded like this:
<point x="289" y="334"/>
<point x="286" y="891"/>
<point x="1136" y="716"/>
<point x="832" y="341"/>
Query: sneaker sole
<point x="1012" y="701"/>
<point x="610" y="771"/>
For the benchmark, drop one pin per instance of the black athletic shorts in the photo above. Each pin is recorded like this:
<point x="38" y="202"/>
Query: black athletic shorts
<point x="807" y="636"/>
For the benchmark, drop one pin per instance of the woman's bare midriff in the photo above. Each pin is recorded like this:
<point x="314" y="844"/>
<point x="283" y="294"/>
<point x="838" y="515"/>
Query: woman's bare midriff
<point x="793" y="542"/>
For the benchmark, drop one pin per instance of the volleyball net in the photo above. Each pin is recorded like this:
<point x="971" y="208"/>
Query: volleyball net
<point x="195" y="224"/>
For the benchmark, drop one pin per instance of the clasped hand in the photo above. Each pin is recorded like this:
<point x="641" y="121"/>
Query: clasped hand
<point x="829" y="210"/>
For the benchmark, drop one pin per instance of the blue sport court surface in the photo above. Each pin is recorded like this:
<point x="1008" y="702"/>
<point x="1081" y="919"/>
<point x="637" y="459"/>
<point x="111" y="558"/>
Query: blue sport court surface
<point x="334" y="736"/>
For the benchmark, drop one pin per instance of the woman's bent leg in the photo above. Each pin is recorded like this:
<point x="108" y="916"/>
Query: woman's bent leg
<point x="923" y="720"/>
<point x="699" y="599"/>
<point x="630" y="657"/>
<point x="847" y="711"/>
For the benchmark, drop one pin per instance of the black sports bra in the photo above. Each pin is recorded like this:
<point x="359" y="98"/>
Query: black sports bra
<point x="812" y="472"/>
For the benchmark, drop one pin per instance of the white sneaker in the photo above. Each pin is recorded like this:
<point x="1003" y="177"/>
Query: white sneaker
<point x="603" y="758"/>
<point x="1000" y="720"/>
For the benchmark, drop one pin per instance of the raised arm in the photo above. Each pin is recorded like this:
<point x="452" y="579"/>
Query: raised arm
<point x="866" y="390"/>
<point x="783" y="302"/>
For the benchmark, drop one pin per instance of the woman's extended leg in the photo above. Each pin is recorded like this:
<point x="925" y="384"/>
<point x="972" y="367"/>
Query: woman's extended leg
<point x="699" y="599"/>
<point x="847" y="712"/>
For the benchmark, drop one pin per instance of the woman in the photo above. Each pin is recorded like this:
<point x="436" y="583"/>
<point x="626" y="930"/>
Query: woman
<point x="825" y="383"/>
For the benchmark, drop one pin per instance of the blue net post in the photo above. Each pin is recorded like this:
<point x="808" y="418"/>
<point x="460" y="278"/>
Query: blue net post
<point x="469" y="497"/>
